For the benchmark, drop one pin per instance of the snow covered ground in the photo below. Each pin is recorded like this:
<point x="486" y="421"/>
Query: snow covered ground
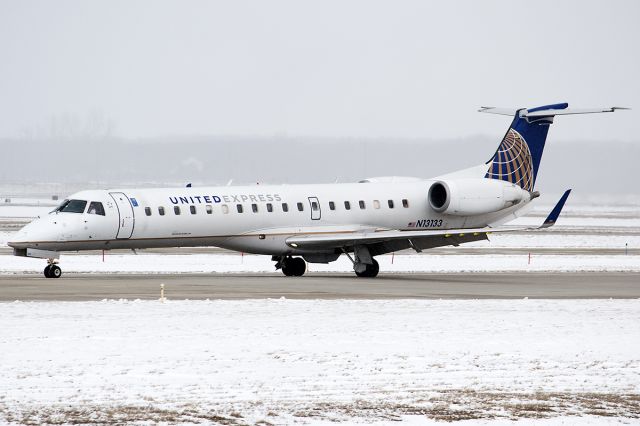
<point x="237" y="263"/>
<point x="283" y="361"/>
<point x="26" y="209"/>
<point x="560" y="237"/>
<point x="493" y="362"/>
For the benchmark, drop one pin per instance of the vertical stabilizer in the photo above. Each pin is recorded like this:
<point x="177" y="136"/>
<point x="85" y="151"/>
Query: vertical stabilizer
<point x="517" y="159"/>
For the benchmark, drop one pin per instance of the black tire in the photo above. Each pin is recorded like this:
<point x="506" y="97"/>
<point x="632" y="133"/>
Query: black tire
<point x="294" y="267"/>
<point x="371" y="271"/>
<point x="47" y="271"/>
<point x="55" y="271"/>
<point x="300" y="268"/>
<point x="287" y="270"/>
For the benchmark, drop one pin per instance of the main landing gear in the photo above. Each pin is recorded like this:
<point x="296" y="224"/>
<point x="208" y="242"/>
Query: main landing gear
<point x="370" y="270"/>
<point x="52" y="270"/>
<point x="364" y="265"/>
<point x="291" y="266"/>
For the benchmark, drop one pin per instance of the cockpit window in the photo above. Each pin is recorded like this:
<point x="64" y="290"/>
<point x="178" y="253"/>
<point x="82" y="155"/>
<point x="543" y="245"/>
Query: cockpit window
<point x="72" y="206"/>
<point x="59" y="207"/>
<point x="96" y="208"/>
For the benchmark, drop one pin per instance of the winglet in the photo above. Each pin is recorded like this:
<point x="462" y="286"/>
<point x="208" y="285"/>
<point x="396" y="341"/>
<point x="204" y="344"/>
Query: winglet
<point x="553" y="216"/>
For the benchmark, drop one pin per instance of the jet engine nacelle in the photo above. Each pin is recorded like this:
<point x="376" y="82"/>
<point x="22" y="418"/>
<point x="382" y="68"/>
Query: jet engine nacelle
<point x="467" y="197"/>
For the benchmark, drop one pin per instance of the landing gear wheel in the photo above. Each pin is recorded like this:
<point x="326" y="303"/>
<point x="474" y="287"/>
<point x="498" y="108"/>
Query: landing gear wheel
<point x="55" y="271"/>
<point x="52" y="271"/>
<point x="294" y="267"/>
<point x="371" y="271"/>
<point x="287" y="270"/>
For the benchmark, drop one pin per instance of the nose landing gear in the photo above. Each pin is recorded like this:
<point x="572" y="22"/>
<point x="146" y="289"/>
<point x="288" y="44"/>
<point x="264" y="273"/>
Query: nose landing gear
<point x="52" y="270"/>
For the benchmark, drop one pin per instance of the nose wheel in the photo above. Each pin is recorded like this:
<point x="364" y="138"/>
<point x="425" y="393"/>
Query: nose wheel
<point x="52" y="271"/>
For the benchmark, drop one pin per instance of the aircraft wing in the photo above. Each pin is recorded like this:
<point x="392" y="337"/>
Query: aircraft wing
<point x="385" y="241"/>
<point x="417" y="239"/>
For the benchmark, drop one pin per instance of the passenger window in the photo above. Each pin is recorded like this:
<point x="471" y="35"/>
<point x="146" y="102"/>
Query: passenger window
<point x="314" y="206"/>
<point x="361" y="203"/>
<point x="300" y="207"/>
<point x="192" y="209"/>
<point x="254" y="208"/>
<point x="285" y="207"/>
<point x="161" y="211"/>
<point x="96" y="208"/>
<point x="208" y="208"/>
<point x="376" y="204"/>
<point x="239" y="208"/>
<point x="147" y="211"/>
<point x="225" y="209"/>
<point x="176" y="210"/>
<point x="390" y="202"/>
<point x="405" y="203"/>
<point x="347" y="205"/>
<point x="269" y="207"/>
<point x="332" y="205"/>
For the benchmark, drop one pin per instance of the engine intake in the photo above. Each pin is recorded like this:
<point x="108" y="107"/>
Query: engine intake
<point x="467" y="197"/>
<point x="439" y="196"/>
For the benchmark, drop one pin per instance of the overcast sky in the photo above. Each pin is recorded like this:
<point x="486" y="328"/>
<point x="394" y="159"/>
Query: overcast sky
<point x="324" y="68"/>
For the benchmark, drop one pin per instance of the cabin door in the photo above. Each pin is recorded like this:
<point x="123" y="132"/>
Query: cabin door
<point x="315" y="208"/>
<point x="125" y="211"/>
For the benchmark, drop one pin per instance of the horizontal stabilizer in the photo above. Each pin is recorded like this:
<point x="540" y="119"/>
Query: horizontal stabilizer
<point x="547" y="112"/>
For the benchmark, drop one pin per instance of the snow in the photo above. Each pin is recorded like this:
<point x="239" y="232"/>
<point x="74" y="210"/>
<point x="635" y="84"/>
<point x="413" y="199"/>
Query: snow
<point x="238" y="263"/>
<point x="414" y="362"/>
<point x="287" y="361"/>
<point x="559" y="239"/>
<point x="30" y="212"/>
<point x="4" y="237"/>
<point x="29" y="201"/>
<point x="552" y="240"/>
<point x="555" y="421"/>
<point x="591" y="222"/>
<point x="26" y="207"/>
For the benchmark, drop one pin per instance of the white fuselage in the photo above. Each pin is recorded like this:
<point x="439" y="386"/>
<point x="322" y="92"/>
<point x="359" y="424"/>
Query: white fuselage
<point x="244" y="218"/>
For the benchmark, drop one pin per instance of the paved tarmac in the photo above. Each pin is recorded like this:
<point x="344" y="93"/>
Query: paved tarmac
<point x="322" y="286"/>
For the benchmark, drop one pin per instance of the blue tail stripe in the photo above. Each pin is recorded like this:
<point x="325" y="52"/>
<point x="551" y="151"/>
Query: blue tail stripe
<point x="503" y="166"/>
<point x="535" y="136"/>
<point x="509" y="158"/>
<point x="552" y="106"/>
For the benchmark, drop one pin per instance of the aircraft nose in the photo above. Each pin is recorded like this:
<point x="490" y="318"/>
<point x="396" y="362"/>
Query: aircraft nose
<point x="19" y="239"/>
<point x="26" y="236"/>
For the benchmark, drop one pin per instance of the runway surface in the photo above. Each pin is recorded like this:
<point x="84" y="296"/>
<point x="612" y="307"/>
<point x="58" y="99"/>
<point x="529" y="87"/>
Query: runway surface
<point x="322" y="286"/>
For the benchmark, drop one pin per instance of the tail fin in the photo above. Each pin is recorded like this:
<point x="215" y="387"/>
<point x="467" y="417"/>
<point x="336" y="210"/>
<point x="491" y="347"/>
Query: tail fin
<point x="517" y="159"/>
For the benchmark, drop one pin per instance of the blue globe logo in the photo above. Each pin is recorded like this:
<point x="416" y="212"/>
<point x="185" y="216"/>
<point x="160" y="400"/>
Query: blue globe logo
<point x="512" y="162"/>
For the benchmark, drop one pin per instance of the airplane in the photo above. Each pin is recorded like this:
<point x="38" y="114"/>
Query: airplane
<point x="296" y="224"/>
